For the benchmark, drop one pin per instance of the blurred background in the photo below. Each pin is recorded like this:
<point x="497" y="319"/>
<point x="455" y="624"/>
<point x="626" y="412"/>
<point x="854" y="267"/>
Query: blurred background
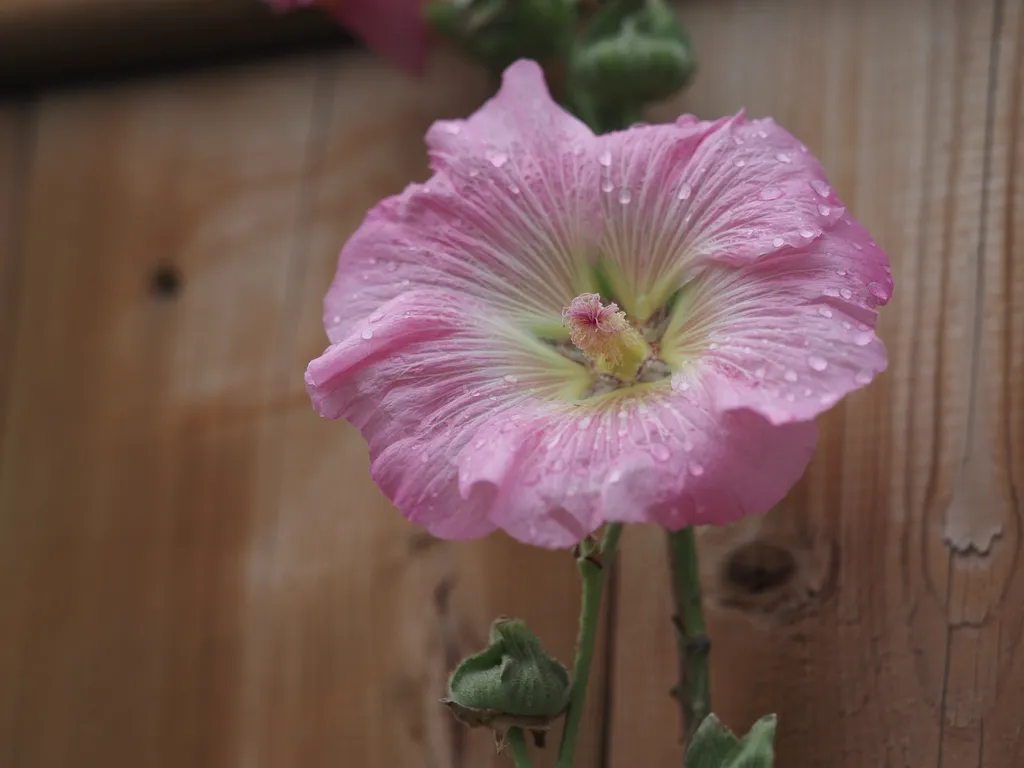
<point x="197" y="571"/>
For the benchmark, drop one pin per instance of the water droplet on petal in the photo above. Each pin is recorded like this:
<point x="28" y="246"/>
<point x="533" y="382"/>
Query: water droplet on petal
<point x="377" y="316"/>
<point x="824" y="210"/>
<point x="510" y="378"/>
<point x="739" y="162"/>
<point x="877" y="290"/>
<point x="824" y="311"/>
<point x="392" y="266"/>
<point x="605" y="159"/>
<point x="771" y="193"/>
<point x="821" y="187"/>
<point x="782" y="157"/>
<point x="404" y="283"/>
<point x="614" y="476"/>
<point x="862" y="339"/>
<point x="858" y="246"/>
<point x="498" y="159"/>
<point x="807" y="233"/>
<point x="696" y="469"/>
<point x="713" y="345"/>
<point x="424" y="457"/>
<point x="816" y="363"/>
<point x="761" y="373"/>
<point x="558" y="465"/>
<point x="685" y="191"/>
<point x="367" y="334"/>
<point x="790" y="376"/>
<point x="660" y="452"/>
<point x="336" y="319"/>
<point x="841" y="272"/>
<point x="585" y="422"/>
<point x="790" y="397"/>
<point x="863" y="377"/>
<point x="607" y="185"/>
<point x="778" y="242"/>
<point x="846" y="293"/>
<point x="762" y="135"/>
<point x="624" y="196"/>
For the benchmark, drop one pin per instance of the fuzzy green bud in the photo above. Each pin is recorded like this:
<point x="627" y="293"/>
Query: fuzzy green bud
<point x="633" y="52"/>
<point x="512" y="682"/>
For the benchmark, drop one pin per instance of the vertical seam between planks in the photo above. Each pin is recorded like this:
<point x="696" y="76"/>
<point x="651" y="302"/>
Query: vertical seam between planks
<point x="979" y="288"/>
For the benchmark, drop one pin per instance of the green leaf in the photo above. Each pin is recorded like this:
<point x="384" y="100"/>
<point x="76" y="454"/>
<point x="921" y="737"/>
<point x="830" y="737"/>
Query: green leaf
<point x="715" y="746"/>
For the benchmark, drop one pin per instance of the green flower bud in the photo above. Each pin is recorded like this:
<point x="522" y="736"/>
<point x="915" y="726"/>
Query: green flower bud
<point x="633" y="53"/>
<point x="512" y="682"/>
<point x="715" y="746"/>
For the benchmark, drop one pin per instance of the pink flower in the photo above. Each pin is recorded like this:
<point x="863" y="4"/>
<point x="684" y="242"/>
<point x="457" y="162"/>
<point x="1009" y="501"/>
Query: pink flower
<point x="748" y="301"/>
<point x="394" y="28"/>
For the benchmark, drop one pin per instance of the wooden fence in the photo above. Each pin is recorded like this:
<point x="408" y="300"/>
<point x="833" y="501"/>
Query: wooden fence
<point x="195" y="571"/>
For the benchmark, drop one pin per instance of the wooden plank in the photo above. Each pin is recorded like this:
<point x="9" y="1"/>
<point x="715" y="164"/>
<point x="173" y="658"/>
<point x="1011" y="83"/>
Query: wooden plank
<point x="878" y="610"/>
<point x="195" y="569"/>
<point x="157" y="228"/>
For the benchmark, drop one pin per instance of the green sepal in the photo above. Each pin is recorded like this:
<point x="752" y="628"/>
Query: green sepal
<point x="512" y="682"/>
<point x="715" y="746"/>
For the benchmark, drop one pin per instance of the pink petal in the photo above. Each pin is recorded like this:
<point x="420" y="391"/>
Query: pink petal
<point x="556" y="474"/>
<point x="680" y="195"/>
<point x="645" y="200"/>
<point x="508" y="218"/>
<point x="791" y="334"/>
<point x="418" y="377"/>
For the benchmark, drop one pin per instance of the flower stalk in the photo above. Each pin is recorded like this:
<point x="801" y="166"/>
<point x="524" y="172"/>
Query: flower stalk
<point x="694" y="687"/>
<point x="520" y="754"/>
<point x="592" y="572"/>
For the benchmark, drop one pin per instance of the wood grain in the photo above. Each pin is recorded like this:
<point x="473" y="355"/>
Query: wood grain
<point x="196" y="570"/>
<point x="878" y="610"/>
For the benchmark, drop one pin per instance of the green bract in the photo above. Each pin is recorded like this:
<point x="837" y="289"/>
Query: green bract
<point x="512" y="682"/>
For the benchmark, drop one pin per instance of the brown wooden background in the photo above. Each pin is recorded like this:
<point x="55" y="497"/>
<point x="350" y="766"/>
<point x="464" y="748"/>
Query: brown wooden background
<point x="197" y="572"/>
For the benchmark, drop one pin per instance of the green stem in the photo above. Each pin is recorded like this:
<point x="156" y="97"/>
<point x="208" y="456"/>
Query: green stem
<point x="592" y="573"/>
<point x="694" y="688"/>
<point x="520" y="754"/>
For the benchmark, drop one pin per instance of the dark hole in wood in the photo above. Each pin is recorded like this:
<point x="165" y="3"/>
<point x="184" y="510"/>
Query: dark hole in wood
<point x="165" y="281"/>
<point x="759" y="567"/>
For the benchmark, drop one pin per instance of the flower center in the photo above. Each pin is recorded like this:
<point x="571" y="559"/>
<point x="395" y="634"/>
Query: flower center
<point x="605" y="336"/>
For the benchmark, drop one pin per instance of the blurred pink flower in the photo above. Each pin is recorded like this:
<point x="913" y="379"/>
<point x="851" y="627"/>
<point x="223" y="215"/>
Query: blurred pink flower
<point x="747" y="299"/>
<point x="394" y="28"/>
